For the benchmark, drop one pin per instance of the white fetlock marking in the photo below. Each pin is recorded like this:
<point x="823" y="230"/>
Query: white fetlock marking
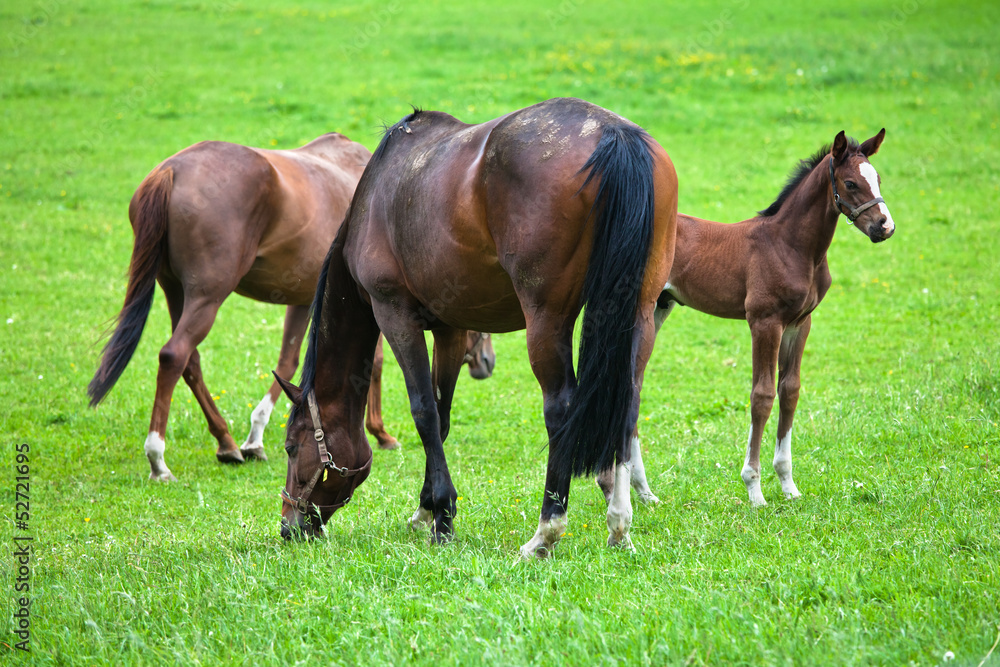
<point x="620" y="509"/>
<point x="545" y="538"/>
<point x="639" y="482"/>
<point x="783" y="466"/>
<point x="258" y="421"/>
<point x="422" y="518"/>
<point x="155" y="447"/>
<point x="751" y="478"/>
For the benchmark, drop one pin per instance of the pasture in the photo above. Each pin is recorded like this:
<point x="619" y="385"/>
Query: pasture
<point x="892" y="555"/>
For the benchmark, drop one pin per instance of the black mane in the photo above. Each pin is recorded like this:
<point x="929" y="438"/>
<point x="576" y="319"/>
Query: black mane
<point x="388" y="130"/>
<point x="799" y="174"/>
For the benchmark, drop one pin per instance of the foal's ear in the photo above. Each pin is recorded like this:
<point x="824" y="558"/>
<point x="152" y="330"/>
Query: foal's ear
<point x="839" y="148"/>
<point x="293" y="393"/>
<point x="870" y="147"/>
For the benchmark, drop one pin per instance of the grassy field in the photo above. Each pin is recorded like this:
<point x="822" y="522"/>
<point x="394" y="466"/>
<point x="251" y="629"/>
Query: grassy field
<point x="891" y="556"/>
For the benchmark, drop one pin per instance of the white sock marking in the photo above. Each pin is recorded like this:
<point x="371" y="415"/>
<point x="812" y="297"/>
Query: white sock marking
<point x="751" y="478"/>
<point x="620" y="508"/>
<point x="258" y="421"/>
<point x="783" y="465"/>
<point x="154" y="448"/>
<point x="639" y="482"/>
<point x="545" y="538"/>
<point x="870" y="175"/>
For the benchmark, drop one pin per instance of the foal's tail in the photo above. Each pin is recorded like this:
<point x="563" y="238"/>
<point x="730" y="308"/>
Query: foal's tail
<point x="150" y="225"/>
<point x="598" y="416"/>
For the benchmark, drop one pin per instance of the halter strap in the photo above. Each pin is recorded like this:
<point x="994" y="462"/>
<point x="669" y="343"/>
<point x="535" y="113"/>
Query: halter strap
<point x="302" y="503"/>
<point x="851" y="213"/>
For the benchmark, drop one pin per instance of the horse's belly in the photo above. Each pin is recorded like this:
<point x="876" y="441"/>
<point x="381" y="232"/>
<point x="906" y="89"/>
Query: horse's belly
<point x="480" y="302"/>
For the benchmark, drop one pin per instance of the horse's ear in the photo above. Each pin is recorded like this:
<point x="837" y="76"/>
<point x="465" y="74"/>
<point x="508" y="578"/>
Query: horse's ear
<point x="839" y="148"/>
<point x="293" y="393"/>
<point x="870" y="147"/>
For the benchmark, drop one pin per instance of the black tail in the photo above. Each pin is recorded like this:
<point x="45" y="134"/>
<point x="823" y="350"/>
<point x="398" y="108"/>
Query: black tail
<point x="598" y="416"/>
<point x="150" y="225"/>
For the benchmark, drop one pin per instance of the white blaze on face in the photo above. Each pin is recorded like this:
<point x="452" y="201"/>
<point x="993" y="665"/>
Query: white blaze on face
<point x="871" y="176"/>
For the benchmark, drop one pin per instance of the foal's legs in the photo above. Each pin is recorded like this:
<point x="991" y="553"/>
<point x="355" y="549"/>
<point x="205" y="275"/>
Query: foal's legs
<point x="373" y="416"/>
<point x="766" y="339"/>
<point x="550" y="351"/>
<point x="296" y="319"/>
<point x="449" y="352"/>
<point x="793" y="342"/>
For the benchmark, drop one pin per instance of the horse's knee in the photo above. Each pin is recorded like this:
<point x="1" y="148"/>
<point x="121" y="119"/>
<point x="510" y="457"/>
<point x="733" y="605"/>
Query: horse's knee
<point x="761" y="400"/>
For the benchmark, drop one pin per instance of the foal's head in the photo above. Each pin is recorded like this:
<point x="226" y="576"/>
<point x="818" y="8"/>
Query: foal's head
<point x="855" y="186"/>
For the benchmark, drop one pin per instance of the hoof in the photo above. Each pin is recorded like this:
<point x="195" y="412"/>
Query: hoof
<point x="229" y="456"/>
<point x="162" y="477"/>
<point x="442" y="538"/>
<point x="254" y="453"/>
<point x="648" y="499"/>
<point x="540" y="552"/>
<point x="388" y="445"/>
<point x="624" y="543"/>
<point x="421" y="519"/>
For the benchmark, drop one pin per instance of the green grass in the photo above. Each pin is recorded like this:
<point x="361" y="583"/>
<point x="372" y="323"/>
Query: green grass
<point x="891" y="557"/>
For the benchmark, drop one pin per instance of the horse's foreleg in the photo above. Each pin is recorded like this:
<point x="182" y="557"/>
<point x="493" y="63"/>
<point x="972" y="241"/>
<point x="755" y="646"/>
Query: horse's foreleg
<point x="438" y="495"/>
<point x="551" y="358"/>
<point x="766" y="339"/>
<point x="793" y="342"/>
<point x="296" y="320"/>
<point x="373" y="415"/>
<point x="449" y="355"/>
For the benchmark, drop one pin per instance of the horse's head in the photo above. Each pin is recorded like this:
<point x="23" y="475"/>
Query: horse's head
<point x="479" y="355"/>
<point x="324" y="468"/>
<point x="855" y="185"/>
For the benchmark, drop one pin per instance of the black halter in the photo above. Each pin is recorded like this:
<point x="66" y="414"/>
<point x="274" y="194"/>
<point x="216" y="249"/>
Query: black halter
<point x="851" y="213"/>
<point x="302" y="503"/>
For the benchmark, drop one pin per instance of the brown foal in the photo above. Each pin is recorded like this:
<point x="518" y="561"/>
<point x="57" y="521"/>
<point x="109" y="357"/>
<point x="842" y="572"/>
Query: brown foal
<point x="772" y="271"/>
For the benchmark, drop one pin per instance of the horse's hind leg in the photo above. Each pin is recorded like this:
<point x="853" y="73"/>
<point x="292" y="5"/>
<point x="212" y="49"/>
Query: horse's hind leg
<point x="550" y="351"/>
<point x="296" y="319"/>
<point x="606" y="478"/>
<point x="373" y="414"/>
<point x="793" y="342"/>
<point x="193" y="327"/>
<point x="227" y="451"/>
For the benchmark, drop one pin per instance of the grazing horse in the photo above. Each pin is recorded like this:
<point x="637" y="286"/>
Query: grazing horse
<point x="511" y="224"/>
<point x="772" y="271"/>
<point x="218" y="218"/>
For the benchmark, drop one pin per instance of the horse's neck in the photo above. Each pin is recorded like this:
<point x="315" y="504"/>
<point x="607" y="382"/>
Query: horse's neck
<point x="808" y="218"/>
<point x="347" y="334"/>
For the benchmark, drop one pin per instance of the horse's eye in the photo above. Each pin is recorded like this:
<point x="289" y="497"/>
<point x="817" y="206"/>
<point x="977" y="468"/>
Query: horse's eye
<point x="850" y="185"/>
<point x="290" y="447"/>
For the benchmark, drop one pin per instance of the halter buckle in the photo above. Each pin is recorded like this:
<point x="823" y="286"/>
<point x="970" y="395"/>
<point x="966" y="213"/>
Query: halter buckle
<point x="319" y="435"/>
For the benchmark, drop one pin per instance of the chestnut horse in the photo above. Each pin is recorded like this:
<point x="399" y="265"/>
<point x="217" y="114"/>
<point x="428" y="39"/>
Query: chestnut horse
<point x="772" y="271"/>
<point x="513" y="223"/>
<point x="218" y="218"/>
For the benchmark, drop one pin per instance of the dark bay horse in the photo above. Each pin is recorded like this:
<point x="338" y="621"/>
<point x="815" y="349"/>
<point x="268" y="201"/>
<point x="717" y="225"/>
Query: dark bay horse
<point x="513" y="223"/>
<point x="772" y="271"/>
<point x="218" y="218"/>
